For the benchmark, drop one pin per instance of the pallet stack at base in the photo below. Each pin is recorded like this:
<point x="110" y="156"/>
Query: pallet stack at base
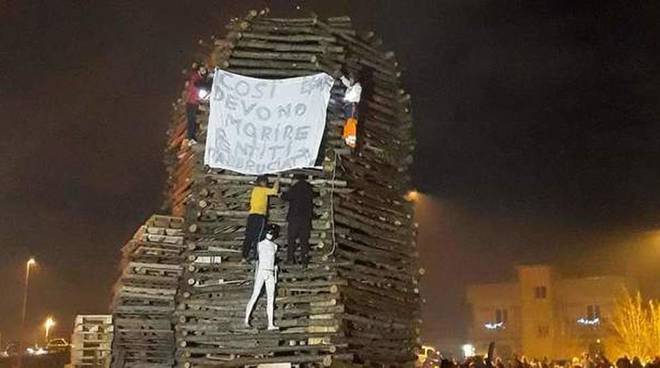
<point x="91" y="341"/>
<point x="357" y="302"/>
<point x="144" y="294"/>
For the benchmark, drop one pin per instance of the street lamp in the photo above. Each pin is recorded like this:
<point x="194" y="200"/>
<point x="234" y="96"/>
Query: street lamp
<point x="50" y="322"/>
<point x="31" y="262"/>
<point x="412" y="196"/>
<point x="468" y="350"/>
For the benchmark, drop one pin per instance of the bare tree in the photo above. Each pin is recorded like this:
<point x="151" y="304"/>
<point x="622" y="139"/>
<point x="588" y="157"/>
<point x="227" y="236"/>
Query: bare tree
<point x="637" y="326"/>
<point x="654" y="326"/>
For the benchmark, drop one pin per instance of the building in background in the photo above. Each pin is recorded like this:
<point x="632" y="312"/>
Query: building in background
<point x="91" y="341"/>
<point x="542" y="314"/>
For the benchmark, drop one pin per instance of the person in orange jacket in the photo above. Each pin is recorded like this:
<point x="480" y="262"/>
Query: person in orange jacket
<point x="351" y="101"/>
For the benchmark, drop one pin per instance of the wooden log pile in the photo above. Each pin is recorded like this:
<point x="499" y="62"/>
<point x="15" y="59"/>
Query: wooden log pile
<point x="144" y="294"/>
<point x="358" y="300"/>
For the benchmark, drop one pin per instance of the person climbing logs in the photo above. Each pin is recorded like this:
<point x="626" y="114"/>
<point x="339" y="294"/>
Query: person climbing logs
<point x="265" y="273"/>
<point x="194" y="88"/>
<point x="256" y="221"/>
<point x="300" y="197"/>
<point x="351" y="101"/>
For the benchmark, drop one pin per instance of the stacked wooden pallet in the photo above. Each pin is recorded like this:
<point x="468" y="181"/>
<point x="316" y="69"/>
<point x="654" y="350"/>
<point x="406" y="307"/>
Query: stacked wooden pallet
<point x="91" y="341"/>
<point x="144" y="294"/>
<point x="217" y="285"/>
<point x="358" y="300"/>
<point x="179" y="160"/>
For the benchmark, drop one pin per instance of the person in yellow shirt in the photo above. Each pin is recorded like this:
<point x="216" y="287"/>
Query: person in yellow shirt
<point x="256" y="222"/>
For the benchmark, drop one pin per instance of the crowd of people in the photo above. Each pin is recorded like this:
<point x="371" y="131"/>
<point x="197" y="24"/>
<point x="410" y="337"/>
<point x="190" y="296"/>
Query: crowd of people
<point x="585" y="361"/>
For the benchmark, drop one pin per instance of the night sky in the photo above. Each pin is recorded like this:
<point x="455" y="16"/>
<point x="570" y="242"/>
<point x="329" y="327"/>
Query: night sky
<point x="538" y="127"/>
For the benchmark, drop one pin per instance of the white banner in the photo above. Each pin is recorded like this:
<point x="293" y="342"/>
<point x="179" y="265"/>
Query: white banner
<point x="260" y="126"/>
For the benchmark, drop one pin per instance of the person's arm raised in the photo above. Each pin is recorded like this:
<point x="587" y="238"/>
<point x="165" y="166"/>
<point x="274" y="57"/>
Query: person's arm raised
<point x="276" y="187"/>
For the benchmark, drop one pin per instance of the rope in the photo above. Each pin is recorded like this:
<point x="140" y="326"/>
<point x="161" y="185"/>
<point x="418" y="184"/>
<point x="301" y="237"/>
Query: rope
<point x="332" y="206"/>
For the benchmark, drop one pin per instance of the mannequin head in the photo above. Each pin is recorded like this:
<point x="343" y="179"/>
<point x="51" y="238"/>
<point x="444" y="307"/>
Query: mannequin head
<point x="272" y="232"/>
<point x="354" y="76"/>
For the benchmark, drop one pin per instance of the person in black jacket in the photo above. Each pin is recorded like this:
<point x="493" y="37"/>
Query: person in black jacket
<point x="623" y="362"/>
<point x="300" y="198"/>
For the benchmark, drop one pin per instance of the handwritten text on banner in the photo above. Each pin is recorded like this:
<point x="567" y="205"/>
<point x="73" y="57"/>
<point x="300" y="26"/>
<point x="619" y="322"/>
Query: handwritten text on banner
<point x="260" y="126"/>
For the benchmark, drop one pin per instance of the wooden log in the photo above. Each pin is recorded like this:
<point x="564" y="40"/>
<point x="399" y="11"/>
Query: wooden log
<point x="295" y="38"/>
<point x="268" y="65"/>
<point x="325" y="360"/>
<point x="285" y="47"/>
<point x="273" y="56"/>
<point x="282" y="29"/>
<point x="298" y="21"/>
<point x="265" y="72"/>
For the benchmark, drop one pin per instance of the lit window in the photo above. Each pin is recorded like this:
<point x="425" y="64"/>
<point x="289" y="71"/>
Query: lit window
<point x="540" y="292"/>
<point x="501" y="315"/>
<point x="593" y="312"/>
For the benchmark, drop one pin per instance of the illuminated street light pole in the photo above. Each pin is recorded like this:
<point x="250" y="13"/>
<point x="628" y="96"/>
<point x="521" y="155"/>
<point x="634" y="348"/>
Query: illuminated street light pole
<point x="31" y="262"/>
<point x="48" y="325"/>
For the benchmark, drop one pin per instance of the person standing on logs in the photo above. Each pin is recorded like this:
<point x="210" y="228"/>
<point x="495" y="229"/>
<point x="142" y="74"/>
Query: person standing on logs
<point x="256" y="221"/>
<point x="265" y="273"/>
<point x="299" y="218"/>
<point x="351" y="102"/>
<point x="194" y="92"/>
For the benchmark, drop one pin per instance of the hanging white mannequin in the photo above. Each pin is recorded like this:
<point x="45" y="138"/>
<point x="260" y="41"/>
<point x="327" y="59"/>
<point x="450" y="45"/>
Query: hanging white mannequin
<point x="265" y="273"/>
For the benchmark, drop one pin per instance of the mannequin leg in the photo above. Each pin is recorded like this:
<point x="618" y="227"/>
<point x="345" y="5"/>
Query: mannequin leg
<point x="258" y="284"/>
<point x="270" y="298"/>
